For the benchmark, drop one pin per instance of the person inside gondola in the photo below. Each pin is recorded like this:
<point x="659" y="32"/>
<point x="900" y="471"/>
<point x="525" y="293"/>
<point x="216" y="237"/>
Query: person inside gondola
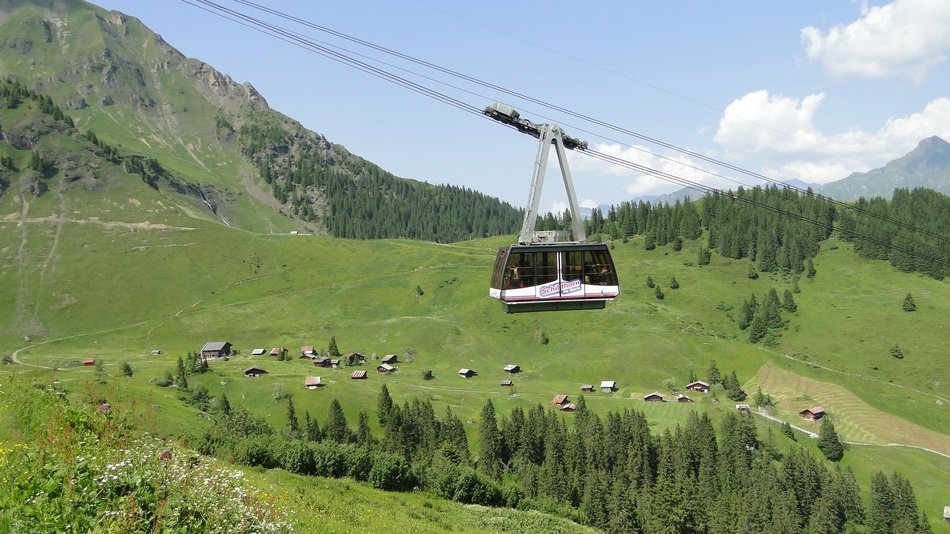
<point x="514" y="279"/>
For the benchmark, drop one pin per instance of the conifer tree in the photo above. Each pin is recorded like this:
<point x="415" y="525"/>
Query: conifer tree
<point x="703" y="256"/>
<point x="674" y="284"/>
<point x="712" y="374"/>
<point x="489" y="446"/>
<point x="311" y="428"/>
<point x="909" y="304"/>
<point x="384" y="406"/>
<point x="749" y="308"/>
<point x="224" y="406"/>
<point x="810" y="268"/>
<point x="659" y="293"/>
<point x="180" y="379"/>
<point x="753" y="274"/>
<point x="292" y="423"/>
<point x="332" y="349"/>
<point x="335" y="428"/>
<point x="364" y="436"/>
<point x="788" y="302"/>
<point x="677" y="244"/>
<point x="650" y="282"/>
<point x="828" y="441"/>
<point x="733" y="388"/>
<point x="758" y="329"/>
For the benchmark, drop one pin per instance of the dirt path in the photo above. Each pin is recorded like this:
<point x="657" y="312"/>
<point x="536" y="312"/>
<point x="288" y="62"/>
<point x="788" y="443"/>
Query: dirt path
<point x="814" y="435"/>
<point x="15" y="355"/>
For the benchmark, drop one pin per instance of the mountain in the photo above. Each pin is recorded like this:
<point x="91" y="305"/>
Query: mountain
<point x="244" y="164"/>
<point x="927" y="166"/>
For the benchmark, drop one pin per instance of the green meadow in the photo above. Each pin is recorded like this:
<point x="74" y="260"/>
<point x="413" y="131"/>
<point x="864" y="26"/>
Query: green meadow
<point x="117" y="286"/>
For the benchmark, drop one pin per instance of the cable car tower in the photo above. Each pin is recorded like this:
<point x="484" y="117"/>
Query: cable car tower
<point x="546" y="271"/>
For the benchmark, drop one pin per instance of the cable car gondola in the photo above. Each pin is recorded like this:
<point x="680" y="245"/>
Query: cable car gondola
<point x="545" y="271"/>
<point x="556" y="276"/>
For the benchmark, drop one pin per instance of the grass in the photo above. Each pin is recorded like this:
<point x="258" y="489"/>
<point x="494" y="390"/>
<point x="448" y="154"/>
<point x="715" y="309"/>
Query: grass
<point x="115" y="273"/>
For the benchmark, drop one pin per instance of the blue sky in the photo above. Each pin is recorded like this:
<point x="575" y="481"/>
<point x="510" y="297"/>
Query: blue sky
<point x="806" y="90"/>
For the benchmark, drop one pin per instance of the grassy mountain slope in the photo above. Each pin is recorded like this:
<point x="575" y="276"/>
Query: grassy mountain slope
<point x="250" y="166"/>
<point x="116" y="293"/>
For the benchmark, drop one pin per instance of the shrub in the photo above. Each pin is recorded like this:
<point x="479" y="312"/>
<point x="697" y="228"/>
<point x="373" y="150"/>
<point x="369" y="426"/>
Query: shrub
<point x="329" y="460"/>
<point x="297" y="457"/>
<point x="390" y="472"/>
<point x="255" y="451"/>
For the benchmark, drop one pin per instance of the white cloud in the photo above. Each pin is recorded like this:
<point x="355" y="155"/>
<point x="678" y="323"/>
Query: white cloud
<point x="639" y="183"/>
<point x="588" y="203"/>
<point x="902" y="38"/>
<point x="778" y="134"/>
<point x="761" y="122"/>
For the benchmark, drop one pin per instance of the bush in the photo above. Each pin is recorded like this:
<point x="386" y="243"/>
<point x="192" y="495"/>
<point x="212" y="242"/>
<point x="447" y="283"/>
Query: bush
<point x="467" y="486"/>
<point x="329" y="460"/>
<point x="297" y="457"/>
<point x="255" y="451"/>
<point x="357" y="460"/>
<point x="390" y="472"/>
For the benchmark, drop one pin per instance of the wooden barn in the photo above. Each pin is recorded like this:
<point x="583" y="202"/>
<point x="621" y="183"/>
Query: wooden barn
<point x="812" y="414"/>
<point x="216" y="349"/>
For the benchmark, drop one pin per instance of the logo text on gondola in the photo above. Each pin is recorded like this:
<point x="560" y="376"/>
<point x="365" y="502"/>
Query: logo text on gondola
<point x="561" y="287"/>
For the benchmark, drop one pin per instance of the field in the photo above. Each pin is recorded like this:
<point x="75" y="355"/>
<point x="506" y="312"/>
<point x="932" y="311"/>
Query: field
<point x="80" y="288"/>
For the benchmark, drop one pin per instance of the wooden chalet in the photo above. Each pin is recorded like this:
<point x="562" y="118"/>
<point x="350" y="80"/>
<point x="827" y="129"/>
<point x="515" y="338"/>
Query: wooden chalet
<point x="308" y="351"/>
<point x="656" y="396"/>
<point x="946" y="513"/>
<point x="258" y="352"/>
<point x="312" y="382"/>
<point x="252" y="372"/>
<point x="559" y="400"/>
<point x="467" y="373"/>
<point x="355" y="358"/>
<point x="507" y="383"/>
<point x="390" y="359"/>
<point x="216" y="349"/>
<point x="608" y="386"/>
<point x="587" y="388"/>
<point x="698" y="386"/>
<point x="321" y="361"/>
<point x="335" y="363"/>
<point x="278" y="351"/>
<point x="512" y="368"/>
<point x="568" y="407"/>
<point x="385" y="368"/>
<point x="812" y="414"/>
<point x="358" y="375"/>
<point x="743" y="408"/>
<point x="683" y="398"/>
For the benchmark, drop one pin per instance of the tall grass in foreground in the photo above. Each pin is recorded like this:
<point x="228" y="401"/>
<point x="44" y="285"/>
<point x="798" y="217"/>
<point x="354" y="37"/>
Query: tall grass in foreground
<point x="79" y="469"/>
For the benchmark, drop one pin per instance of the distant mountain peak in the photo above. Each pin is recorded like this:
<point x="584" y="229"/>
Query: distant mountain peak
<point x="927" y="165"/>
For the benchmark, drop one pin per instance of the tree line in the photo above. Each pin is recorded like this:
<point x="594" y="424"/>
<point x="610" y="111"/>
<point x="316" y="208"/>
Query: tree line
<point x="611" y="472"/>
<point x="887" y="236"/>
<point x="353" y="198"/>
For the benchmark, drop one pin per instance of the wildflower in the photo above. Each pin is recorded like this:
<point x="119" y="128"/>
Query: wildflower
<point x="167" y="455"/>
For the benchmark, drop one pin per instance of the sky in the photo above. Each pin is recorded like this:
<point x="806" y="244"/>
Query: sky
<point x="791" y="90"/>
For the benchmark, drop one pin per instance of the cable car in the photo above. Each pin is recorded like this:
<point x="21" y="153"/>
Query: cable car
<point x="546" y="271"/>
<point x="557" y="276"/>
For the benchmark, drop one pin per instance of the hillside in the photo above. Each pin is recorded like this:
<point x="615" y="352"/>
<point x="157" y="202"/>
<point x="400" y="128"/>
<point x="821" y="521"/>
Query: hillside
<point x="139" y="221"/>
<point x="250" y="166"/>
<point x="926" y="166"/>
<point x="96" y="294"/>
